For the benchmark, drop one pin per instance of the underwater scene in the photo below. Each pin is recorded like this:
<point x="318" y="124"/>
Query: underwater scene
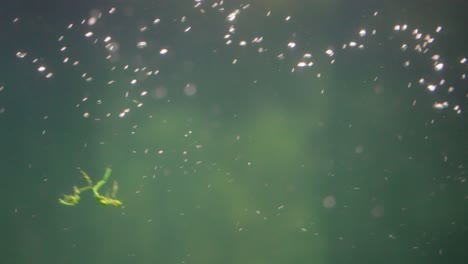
<point x="250" y="132"/>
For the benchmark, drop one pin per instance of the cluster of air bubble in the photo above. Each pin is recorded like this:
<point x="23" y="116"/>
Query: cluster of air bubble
<point x="412" y="41"/>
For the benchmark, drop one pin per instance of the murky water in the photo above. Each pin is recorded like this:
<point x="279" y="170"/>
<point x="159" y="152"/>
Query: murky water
<point x="237" y="132"/>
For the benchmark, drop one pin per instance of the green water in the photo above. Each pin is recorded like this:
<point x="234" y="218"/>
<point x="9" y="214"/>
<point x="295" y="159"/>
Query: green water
<point x="270" y="132"/>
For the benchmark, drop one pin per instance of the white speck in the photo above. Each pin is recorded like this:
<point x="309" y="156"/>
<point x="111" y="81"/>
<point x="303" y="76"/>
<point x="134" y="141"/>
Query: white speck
<point x="232" y="16"/>
<point x="257" y="40"/>
<point x="142" y="44"/>
<point x="89" y="34"/>
<point x="92" y="21"/>
<point x="362" y="32"/>
<point x="21" y="54"/>
<point x="291" y="45"/>
<point x="41" y="69"/>
<point x="440" y="105"/>
<point x="431" y="87"/>
<point x="163" y="51"/>
<point x="125" y="111"/>
<point x="329" y="52"/>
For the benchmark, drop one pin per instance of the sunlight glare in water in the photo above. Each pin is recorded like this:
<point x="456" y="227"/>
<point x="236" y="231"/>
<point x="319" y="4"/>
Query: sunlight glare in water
<point x="415" y="48"/>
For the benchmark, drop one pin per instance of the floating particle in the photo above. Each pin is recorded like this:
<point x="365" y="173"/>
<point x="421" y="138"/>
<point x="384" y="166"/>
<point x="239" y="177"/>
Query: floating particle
<point x="329" y="201"/>
<point x="142" y="44"/>
<point x="190" y="89"/>
<point x="440" y="105"/>
<point x="301" y="64"/>
<point x="431" y="87"/>
<point x="21" y="54"/>
<point x="232" y="16"/>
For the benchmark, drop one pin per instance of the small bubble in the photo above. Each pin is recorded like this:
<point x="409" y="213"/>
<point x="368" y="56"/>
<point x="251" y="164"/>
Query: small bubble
<point x="190" y="89"/>
<point x="329" y="201"/>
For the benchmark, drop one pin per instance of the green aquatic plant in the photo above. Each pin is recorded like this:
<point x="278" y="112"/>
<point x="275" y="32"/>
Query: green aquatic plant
<point x="74" y="199"/>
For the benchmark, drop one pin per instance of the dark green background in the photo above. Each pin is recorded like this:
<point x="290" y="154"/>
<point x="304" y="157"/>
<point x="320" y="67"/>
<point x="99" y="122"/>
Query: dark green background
<point x="265" y="148"/>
